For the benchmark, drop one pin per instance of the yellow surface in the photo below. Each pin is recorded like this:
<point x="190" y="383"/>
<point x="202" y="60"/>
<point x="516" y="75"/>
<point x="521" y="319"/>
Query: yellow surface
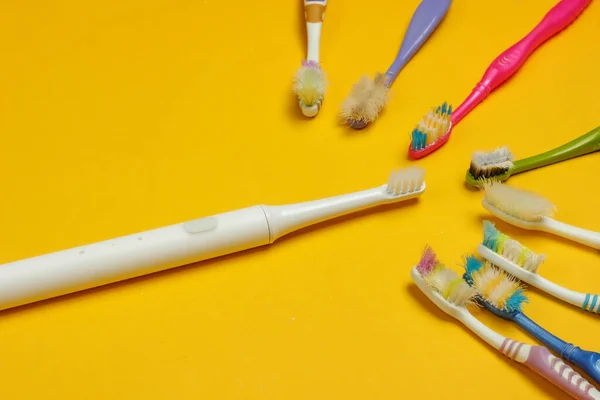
<point x="122" y="116"/>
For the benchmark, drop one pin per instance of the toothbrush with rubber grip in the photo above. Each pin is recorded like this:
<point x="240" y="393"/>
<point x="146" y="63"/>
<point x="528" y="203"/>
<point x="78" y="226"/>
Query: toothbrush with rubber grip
<point x="537" y="358"/>
<point x="511" y="60"/>
<point x="587" y="361"/>
<point x="500" y="70"/>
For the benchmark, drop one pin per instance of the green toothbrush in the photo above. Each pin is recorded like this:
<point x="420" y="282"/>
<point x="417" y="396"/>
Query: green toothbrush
<point x="499" y="164"/>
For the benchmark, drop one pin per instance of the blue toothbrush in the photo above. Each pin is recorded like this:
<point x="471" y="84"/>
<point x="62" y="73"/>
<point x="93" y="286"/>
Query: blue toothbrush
<point x="509" y="297"/>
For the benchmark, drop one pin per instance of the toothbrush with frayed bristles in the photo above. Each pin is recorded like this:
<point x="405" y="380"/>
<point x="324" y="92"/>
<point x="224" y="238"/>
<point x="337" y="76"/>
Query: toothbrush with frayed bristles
<point x="84" y="267"/>
<point x="434" y="130"/>
<point x="527" y="210"/>
<point x="452" y="294"/>
<point x="499" y="164"/>
<point x="309" y="82"/>
<point x="521" y="262"/>
<point x="368" y="96"/>
<point x="503" y="295"/>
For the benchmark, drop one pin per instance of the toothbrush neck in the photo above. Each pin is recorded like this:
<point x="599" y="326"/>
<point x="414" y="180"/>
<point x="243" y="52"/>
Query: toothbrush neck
<point x="479" y="93"/>
<point x="288" y="218"/>
<point x="555" y="344"/>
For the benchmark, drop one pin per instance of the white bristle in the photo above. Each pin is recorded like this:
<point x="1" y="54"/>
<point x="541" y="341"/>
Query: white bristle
<point x="444" y="282"/>
<point x="520" y="255"/>
<point x="486" y="163"/>
<point x="405" y="181"/>
<point x="517" y="203"/>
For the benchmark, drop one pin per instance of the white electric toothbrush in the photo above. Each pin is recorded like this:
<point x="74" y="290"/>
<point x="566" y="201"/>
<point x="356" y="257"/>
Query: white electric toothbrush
<point x="84" y="267"/>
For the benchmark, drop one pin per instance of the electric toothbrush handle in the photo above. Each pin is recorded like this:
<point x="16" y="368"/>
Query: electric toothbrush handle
<point x="586" y="144"/>
<point x="582" y="359"/>
<point x="424" y="21"/>
<point x="511" y="60"/>
<point x="314" y="13"/>
<point x="84" y="267"/>
<point x="576" y="234"/>
<point x="556" y="371"/>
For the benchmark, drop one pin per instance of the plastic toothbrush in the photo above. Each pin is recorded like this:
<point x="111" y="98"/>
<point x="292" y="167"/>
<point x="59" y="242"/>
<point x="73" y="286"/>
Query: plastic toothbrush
<point x="503" y="295"/>
<point x="527" y="210"/>
<point x="368" y="97"/>
<point x="84" y="267"/>
<point x="309" y="83"/>
<point x="434" y="130"/>
<point x="523" y="263"/>
<point x="452" y="295"/>
<point x="499" y="164"/>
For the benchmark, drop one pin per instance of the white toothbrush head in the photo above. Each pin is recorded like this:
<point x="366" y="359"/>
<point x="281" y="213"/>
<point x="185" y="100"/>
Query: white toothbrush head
<point x="405" y="182"/>
<point x="309" y="87"/>
<point x="515" y="206"/>
<point x="443" y="286"/>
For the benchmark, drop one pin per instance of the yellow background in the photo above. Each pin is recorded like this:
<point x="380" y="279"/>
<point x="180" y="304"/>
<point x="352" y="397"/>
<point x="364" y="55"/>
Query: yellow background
<point x="119" y="116"/>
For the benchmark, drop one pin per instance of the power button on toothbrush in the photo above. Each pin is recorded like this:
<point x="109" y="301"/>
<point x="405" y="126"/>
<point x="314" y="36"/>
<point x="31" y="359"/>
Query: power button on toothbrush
<point x="200" y="225"/>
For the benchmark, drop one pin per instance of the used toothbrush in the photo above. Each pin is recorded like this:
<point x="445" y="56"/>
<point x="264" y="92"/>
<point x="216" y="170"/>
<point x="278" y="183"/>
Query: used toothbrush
<point x="84" y="267"/>
<point x="369" y="96"/>
<point x="521" y="262"/>
<point x="503" y="295"/>
<point x="435" y="128"/>
<point x="449" y="292"/>
<point x="500" y="166"/>
<point x="528" y="210"/>
<point x="309" y="83"/>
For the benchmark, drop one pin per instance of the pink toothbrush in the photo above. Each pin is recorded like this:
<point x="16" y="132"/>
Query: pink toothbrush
<point x="434" y="130"/>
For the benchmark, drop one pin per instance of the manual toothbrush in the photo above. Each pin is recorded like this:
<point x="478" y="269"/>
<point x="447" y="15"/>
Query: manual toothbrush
<point x="503" y="295"/>
<point x="309" y="83"/>
<point x="434" y="130"/>
<point x="368" y="97"/>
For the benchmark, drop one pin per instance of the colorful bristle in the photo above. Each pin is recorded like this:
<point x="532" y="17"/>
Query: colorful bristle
<point x="428" y="261"/>
<point x="510" y="249"/>
<point x="309" y="84"/>
<point x="495" y="286"/>
<point x="444" y="281"/>
<point x="516" y="203"/>
<point x="433" y="126"/>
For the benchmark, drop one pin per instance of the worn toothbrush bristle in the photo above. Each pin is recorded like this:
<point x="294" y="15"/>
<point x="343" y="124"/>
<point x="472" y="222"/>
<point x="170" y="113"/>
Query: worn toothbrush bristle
<point x="366" y="100"/>
<point x="309" y="84"/>
<point x="510" y="248"/>
<point x="492" y="163"/>
<point x="433" y="126"/>
<point x="501" y="290"/>
<point x="445" y="281"/>
<point x="517" y="203"/>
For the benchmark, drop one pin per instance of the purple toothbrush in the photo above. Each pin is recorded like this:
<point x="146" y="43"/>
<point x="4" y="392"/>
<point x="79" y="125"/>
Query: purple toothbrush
<point x="368" y="97"/>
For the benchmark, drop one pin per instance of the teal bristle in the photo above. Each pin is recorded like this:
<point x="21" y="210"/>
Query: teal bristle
<point x="516" y="300"/>
<point x="490" y="235"/>
<point x="419" y="139"/>
<point x="444" y="108"/>
<point x="472" y="265"/>
<point x="450" y="110"/>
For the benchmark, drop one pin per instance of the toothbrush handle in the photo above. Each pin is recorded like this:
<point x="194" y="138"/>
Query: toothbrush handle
<point x="584" y="360"/>
<point x="556" y="371"/>
<point x="588" y="143"/>
<point x="511" y="60"/>
<point x="84" y="267"/>
<point x="576" y="234"/>
<point x="314" y="13"/>
<point x="425" y="20"/>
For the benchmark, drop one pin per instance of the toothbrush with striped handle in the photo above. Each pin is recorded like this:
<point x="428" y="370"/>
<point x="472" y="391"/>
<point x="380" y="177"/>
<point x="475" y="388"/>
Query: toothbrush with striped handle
<point x="450" y="293"/>
<point x="435" y="129"/>
<point x="503" y="295"/>
<point x="523" y="263"/>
